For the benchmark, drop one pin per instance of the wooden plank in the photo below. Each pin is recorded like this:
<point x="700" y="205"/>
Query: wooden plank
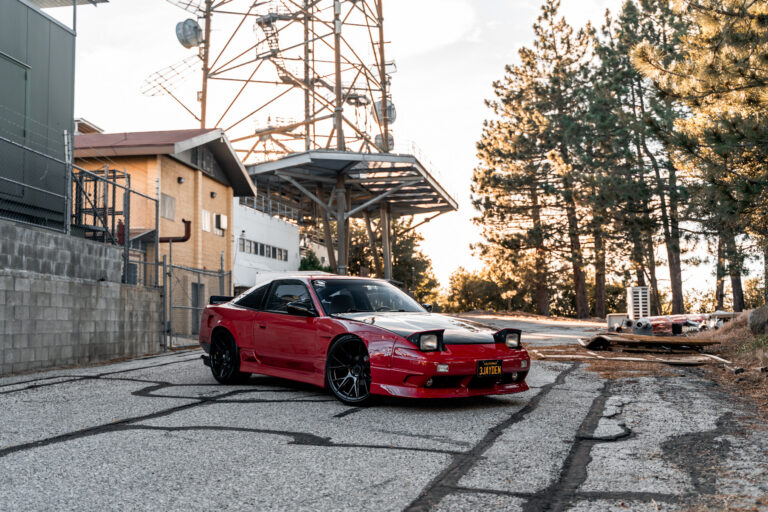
<point x="637" y="339"/>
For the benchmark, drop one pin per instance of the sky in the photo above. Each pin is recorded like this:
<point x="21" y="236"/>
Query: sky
<point x="448" y="53"/>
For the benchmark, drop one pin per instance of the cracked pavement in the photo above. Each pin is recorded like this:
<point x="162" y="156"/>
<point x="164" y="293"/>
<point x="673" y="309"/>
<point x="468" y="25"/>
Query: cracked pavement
<point x="159" y="433"/>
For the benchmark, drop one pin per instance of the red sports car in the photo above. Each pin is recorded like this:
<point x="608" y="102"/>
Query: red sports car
<point x="359" y="337"/>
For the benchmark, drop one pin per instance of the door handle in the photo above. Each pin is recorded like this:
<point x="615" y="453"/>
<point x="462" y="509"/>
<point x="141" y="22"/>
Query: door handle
<point x="263" y="326"/>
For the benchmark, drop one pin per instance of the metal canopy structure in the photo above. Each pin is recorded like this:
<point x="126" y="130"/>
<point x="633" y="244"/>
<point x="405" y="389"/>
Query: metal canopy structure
<point x="343" y="185"/>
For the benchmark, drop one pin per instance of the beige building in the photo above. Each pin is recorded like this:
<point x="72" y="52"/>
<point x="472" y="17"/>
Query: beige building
<point x="196" y="174"/>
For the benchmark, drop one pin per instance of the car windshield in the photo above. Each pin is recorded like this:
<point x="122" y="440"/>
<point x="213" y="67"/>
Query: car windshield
<point x="359" y="295"/>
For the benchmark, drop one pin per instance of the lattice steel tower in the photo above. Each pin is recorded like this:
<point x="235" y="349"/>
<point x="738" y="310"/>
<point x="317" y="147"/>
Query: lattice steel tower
<point x="285" y="76"/>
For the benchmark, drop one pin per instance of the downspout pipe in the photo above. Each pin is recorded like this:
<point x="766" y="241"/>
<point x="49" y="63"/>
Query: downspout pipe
<point x="178" y="239"/>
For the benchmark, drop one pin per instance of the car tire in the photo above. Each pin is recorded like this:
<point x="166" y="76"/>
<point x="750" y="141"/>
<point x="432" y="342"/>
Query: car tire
<point x="348" y="371"/>
<point x="225" y="360"/>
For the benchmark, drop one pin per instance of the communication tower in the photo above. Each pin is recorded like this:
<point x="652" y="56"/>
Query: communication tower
<point x="285" y="76"/>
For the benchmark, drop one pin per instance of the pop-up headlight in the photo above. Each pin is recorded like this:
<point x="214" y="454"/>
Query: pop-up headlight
<point x="427" y="341"/>
<point x="509" y="337"/>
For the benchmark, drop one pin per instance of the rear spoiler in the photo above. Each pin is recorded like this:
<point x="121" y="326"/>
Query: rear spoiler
<point x="219" y="299"/>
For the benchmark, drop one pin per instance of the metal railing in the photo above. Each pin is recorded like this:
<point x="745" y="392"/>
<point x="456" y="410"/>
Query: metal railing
<point x="42" y="190"/>
<point x="271" y="207"/>
<point x="106" y="209"/>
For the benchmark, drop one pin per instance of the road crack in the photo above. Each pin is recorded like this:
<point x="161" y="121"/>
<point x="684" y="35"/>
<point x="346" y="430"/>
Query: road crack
<point x="463" y="462"/>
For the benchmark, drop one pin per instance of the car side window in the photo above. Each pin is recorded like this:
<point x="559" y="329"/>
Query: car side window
<point x="285" y="292"/>
<point x="255" y="299"/>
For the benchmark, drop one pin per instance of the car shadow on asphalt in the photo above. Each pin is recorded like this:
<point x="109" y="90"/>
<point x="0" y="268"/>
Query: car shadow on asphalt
<point x="457" y="404"/>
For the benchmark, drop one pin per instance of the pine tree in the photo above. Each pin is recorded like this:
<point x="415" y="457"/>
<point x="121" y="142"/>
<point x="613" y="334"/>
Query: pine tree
<point x="721" y="76"/>
<point x="529" y="186"/>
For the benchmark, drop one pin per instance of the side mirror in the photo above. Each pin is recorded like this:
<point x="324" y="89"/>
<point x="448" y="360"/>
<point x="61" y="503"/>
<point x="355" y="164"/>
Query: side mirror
<point x="299" y="309"/>
<point x="427" y="306"/>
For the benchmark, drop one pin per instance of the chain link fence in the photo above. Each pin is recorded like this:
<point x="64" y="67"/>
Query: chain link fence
<point x="188" y="291"/>
<point x="33" y="186"/>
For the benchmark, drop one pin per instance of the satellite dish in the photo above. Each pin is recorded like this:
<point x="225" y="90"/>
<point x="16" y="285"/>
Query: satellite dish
<point x="391" y="112"/>
<point x="379" y="142"/>
<point x="189" y="33"/>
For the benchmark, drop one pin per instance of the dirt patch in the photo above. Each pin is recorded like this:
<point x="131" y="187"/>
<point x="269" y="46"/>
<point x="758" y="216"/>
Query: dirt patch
<point x="627" y="369"/>
<point x="749" y="353"/>
<point x="607" y="369"/>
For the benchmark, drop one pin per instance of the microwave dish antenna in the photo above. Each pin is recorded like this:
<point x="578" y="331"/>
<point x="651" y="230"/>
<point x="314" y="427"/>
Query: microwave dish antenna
<point x="189" y="33"/>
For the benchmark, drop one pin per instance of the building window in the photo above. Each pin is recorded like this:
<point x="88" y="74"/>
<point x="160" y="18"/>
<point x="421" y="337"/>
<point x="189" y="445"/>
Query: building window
<point x="167" y="207"/>
<point x="260" y="249"/>
<point x="206" y="221"/>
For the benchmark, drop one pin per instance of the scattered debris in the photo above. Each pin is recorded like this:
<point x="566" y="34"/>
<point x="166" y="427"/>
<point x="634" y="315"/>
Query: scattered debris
<point x="602" y="341"/>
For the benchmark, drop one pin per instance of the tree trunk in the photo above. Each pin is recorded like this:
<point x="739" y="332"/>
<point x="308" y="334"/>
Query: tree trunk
<point x="720" y="275"/>
<point x="599" y="273"/>
<point x="669" y="220"/>
<point x="765" y="272"/>
<point x="577" y="260"/>
<point x="373" y="246"/>
<point x="656" y="297"/>
<point x="637" y="254"/>
<point x="734" y="270"/>
<point x="542" y="290"/>
<point x="327" y="234"/>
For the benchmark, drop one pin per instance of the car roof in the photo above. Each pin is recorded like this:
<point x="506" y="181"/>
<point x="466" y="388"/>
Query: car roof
<point x="304" y="275"/>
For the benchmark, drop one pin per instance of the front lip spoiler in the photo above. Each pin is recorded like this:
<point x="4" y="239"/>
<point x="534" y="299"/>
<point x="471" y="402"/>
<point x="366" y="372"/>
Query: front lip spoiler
<point x="206" y="360"/>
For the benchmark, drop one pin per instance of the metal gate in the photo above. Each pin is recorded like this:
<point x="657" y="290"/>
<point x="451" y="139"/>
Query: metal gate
<point x="187" y="291"/>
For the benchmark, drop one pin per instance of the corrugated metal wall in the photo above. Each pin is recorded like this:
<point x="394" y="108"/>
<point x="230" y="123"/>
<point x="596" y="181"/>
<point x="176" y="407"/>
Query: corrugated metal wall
<point x="37" y="79"/>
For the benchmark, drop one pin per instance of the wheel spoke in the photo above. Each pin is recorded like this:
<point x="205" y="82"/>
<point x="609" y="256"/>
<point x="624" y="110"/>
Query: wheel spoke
<point x="349" y="370"/>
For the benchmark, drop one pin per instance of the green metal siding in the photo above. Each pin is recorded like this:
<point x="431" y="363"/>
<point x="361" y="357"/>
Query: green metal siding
<point x="37" y="78"/>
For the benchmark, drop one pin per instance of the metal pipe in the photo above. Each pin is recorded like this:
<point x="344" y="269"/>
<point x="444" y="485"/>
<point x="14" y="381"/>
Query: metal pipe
<point x="157" y="231"/>
<point x="221" y="275"/>
<point x="179" y="239"/>
<point x="165" y="305"/>
<point x="68" y="183"/>
<point x="170" y="290"/>
<point x="126" y="232"/>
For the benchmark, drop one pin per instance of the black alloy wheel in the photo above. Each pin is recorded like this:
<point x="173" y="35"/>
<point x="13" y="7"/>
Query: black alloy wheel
<point x="348" y="371"/>
<point x="225" y="360"/>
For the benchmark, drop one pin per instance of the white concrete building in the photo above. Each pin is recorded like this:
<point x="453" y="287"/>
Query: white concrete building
<point x="263" y="242"/>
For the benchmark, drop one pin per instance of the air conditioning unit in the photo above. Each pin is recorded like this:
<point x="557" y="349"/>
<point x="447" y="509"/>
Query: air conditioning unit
<point x="221" y="222"/>
<point x="638" y="302"/>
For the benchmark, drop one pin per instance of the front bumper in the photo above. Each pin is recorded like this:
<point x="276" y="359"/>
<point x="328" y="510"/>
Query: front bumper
<point x="413" y="374"/>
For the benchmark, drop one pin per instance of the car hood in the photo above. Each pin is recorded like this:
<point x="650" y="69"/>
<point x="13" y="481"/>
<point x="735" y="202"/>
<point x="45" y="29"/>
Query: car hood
<point x="455" y="330"/>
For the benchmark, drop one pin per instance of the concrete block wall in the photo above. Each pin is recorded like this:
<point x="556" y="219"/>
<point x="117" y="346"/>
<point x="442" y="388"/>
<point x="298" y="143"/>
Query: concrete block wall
<point x="62" y="303"/>
<point x="48" y="252"/>
<point x="50" y="321"/>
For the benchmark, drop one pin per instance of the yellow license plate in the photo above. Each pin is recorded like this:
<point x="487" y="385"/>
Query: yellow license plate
<point x="489" y="368"/>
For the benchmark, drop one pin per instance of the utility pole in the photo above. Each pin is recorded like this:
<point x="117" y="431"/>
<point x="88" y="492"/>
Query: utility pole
<point x="307" y="112"/>
<point x="383" y="78"/>
<point x="205" y="50"/>
<point x="337" y="119"/>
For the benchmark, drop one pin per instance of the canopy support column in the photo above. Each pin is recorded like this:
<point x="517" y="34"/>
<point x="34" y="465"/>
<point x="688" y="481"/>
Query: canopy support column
<point x="341" y="203"/>
<point x="386" y="243"/>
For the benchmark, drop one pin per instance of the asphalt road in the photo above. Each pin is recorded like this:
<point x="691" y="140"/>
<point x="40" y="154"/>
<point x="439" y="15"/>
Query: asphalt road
<point x="159" y="434"/>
